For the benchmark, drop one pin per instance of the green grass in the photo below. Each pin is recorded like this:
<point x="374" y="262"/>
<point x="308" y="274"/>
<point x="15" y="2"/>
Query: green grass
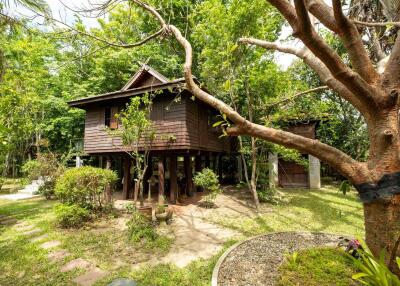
<point x="24" y="263"/>
<point x="324" y="210"/>
<point x="317" y="267"/>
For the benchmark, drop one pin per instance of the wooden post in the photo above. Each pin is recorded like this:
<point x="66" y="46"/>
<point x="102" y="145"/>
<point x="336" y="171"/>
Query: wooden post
<point x="161" y="180"/>
<point x="189" y="175"/>
<point x="215" y="163"/>
<point x="127" y="178"/>
<point x="207" y="160"/>
<point x="108" y="188"/>
<point x="173" y="178"/>
<point x="220" y="167"/>
<point x="197" y="167"/>
<point x="101" y="162"/>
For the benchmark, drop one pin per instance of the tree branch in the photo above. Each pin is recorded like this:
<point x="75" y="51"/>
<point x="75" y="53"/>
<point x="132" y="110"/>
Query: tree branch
<point x="352" y="80"/>
<point x="319" y="67"/>
<point x="392" y="71"/>
<point x="348" y="32"/>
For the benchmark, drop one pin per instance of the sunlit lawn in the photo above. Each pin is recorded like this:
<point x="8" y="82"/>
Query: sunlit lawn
<point x="324" y="210"/>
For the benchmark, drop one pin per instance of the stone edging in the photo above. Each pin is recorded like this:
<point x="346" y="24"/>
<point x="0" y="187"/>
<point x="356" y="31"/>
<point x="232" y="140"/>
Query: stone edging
<point x="214" y="277"/>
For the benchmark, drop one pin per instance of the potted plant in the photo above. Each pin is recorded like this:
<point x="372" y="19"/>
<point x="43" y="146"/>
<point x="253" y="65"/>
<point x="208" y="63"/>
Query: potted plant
<point x="146" y="210"/>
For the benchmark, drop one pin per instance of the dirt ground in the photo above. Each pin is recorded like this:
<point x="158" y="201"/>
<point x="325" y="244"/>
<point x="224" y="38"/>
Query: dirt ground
<point x="194" y="236"/>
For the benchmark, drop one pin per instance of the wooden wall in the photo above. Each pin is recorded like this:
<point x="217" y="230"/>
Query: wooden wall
<point x="180" y="125"/>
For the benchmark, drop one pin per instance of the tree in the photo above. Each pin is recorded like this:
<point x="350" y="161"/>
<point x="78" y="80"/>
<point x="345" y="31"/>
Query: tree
<point x="137" y="133"/>
<point x="375" y="95"/>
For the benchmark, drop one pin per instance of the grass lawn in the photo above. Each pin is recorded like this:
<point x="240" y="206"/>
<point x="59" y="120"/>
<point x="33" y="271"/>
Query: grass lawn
<point x="23" y="262"/>
<point x="318" y="267"/>
<point x="324" y="210"/>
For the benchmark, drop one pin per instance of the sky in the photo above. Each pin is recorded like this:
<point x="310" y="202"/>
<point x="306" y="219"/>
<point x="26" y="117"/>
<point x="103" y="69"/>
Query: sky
<point x="61" y="10"/>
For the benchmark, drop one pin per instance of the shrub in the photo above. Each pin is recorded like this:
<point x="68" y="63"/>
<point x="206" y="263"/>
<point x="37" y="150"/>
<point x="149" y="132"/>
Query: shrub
<point x="373" y="271"/>
<point x="85" y="186"/>
<point x="71" y="215"/>
<point x="31" y="169"/>
<point x="47" y="189"/>
<point x="208" y="180"/>
<point x="140" y="228"/>
<point x="1" y="182"/>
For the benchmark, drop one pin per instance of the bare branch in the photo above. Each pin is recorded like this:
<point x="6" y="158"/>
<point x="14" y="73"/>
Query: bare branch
<point x="377" y="24"/>
<point x="317" y="89"/>
<point x="113" y="44"/>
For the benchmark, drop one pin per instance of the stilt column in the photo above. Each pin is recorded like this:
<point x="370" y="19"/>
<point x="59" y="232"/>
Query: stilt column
<point x="189" y="175"/>
<point x="127" y="178"/>
<point x="161" y="180"/>
<point x="173" y="179"/>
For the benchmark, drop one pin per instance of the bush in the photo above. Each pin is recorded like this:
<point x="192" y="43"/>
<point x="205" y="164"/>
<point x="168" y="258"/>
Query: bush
<point x="208" y="180"/>
<point x="1" y="182"/>
<point x="47" y="189"/>
<point x="31" y="169"/>
<point x="140" y="228"/>
<point x="71" y="215"/>
<point x="85" y="186"/>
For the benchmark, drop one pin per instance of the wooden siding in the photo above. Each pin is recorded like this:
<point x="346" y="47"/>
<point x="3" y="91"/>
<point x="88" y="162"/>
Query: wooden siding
<point x="180" y="125"/>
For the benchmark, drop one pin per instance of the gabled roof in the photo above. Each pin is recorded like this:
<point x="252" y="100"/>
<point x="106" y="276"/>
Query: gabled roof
<point x="146" y="76"/>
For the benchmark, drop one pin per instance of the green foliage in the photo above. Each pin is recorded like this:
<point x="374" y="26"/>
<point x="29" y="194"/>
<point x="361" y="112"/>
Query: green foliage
<point x="71" y="215"/>
<point x="85" y="186"/>
<point x="316" y="267"/>
<point x="268" y="195"/>
<point x="208" y="180"/>
<point x="31" y="169"/>
<point x="1" y="182"/>
<point x="373" y="270"/>
<point x="141" y="230"/>
<point x="344" y="187"/>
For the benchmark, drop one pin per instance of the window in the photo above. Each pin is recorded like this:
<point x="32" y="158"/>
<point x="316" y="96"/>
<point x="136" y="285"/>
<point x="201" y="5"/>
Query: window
<point x="107" y="116"/>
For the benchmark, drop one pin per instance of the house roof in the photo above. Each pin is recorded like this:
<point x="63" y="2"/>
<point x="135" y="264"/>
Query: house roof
<point x="145" y="80"/>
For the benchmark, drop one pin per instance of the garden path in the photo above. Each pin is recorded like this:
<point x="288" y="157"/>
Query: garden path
<point x="36" y="236"/>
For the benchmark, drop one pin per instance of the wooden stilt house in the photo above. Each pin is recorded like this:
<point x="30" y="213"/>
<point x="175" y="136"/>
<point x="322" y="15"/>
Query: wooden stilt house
<point x="185" y="139"/>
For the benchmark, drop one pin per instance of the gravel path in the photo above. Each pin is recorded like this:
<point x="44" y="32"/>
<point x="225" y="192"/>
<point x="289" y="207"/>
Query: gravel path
<point x="256" y="261"/>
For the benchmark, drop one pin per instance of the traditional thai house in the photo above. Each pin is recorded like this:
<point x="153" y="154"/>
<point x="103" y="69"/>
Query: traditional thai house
<point x="185" y="139"/>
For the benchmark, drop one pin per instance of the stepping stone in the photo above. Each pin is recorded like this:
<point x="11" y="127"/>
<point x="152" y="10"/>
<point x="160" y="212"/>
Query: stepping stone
<point x="8" y="221"/>
<point x="23" y="227"/>
<point x="58" y="255"/>
<point x="50" y="244"/>
<point x="39" y="238"/>
<point x="32" y="231"/>
<point x="76" y="263"/>
<point x="90" y="277"/>
<point x="123" y="282"/>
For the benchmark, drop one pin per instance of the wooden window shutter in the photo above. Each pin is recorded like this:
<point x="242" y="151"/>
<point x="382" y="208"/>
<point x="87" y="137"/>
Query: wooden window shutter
<point x="113" y="120"/>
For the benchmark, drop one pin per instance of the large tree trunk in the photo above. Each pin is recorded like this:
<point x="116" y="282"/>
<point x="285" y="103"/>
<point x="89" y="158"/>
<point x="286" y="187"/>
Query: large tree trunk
<point x="382" y="228"/>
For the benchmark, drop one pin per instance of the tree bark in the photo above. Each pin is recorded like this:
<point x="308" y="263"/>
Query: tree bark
<point x="382" y="227"/>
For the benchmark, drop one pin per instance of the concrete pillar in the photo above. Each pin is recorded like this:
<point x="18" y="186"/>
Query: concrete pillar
<point x="273" y="170"/>
<point x="189" y="176"/>
<point x="78" y="162"/>
<point x="314" y="172"/>
<point x="108" y="187"/>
